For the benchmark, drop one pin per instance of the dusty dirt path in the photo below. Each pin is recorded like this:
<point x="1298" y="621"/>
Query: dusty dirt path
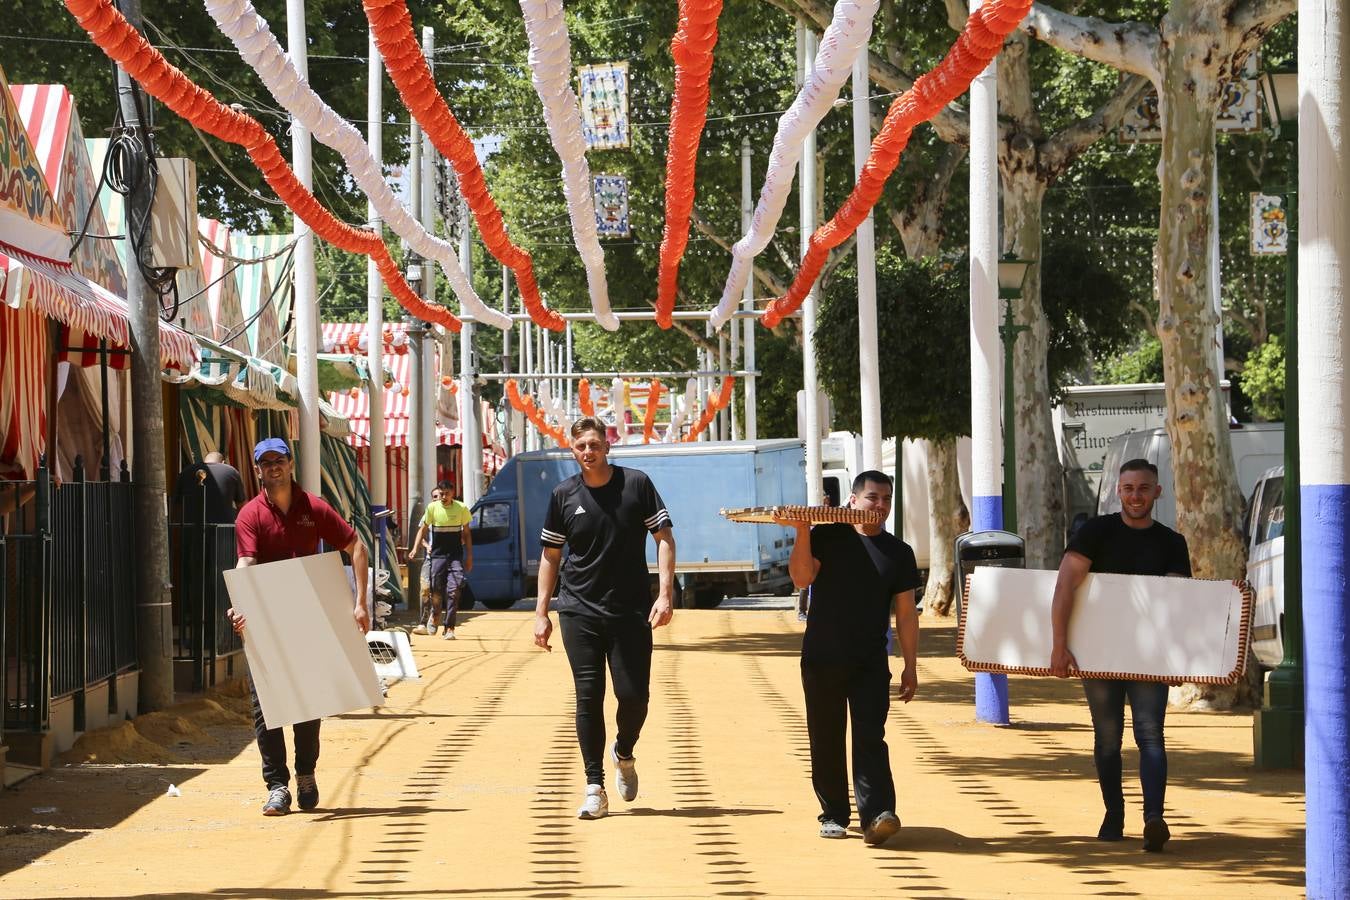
<point x="466" y="783"/>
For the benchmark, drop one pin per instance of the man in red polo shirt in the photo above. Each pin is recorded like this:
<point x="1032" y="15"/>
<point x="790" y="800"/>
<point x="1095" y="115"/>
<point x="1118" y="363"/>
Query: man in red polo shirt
<point x="283" y="522"/>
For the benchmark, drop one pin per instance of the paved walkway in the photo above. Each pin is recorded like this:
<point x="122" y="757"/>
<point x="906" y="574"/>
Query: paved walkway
<point x="466" y="784"/>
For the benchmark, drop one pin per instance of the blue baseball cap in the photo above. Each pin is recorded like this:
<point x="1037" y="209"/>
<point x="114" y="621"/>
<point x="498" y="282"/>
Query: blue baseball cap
<point x="274" y="445"/>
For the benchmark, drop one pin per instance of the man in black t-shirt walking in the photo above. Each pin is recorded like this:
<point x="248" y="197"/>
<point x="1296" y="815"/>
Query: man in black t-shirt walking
<point x="1126" y="543"/>
<point x="603" y="515"/>
<point x="858" y="575"/>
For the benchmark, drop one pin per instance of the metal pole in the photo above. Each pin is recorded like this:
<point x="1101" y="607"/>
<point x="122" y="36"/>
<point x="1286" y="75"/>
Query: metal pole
<point x="471" y="453"/>
<point x="807" y="195"/>
<point x="417" y="489"/>
<point x="723" y="422"/>
<point x="154" y="621"/>
<point x="991" y="691"/>
<point x="748" y="299"/>
<point x="1008" y="332"/>
<point x="531" y="436"/>
<point x="567" y="343"/>
<point x="379" y="500"/>
<point x="506" y="355"/>
<point x="306" y="279"/>
<point x="1324" y="465"/>
<point x="868" y="353"/>
<point x="431" y="369"/>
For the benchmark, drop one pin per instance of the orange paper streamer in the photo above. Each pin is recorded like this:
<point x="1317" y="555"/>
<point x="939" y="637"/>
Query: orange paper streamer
<point x="124" y="45"/>
<point x="584" y="397"/>
<point x="532" y="412"/>
<point x="692" y="49"/>
<point x="974" y="49"/>
<point x="649" y="419"/>
<point x="391" y="23"/>
<point x="715" y="405"/>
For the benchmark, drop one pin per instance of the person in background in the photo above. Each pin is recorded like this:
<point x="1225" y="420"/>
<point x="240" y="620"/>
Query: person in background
<point x="449" y="555"/>
<point x="211" y="492"/>
<point x="284" y="521"/>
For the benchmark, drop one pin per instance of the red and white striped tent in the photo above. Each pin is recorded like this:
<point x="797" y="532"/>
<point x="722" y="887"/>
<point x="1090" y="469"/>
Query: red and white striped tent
<point x="222" y="287"/>
<point x="354" y="404"/>
<point x="37" y="279"/>
<point x="260" y="293"/>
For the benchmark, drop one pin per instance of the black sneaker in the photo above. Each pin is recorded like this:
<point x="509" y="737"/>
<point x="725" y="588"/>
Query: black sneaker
<point x="278" y="802"/>
<point x="1156" y="833"/>
<point x="1113" y="827"/>
<point x="307" y="791"/>
<point x="881" y="829"/>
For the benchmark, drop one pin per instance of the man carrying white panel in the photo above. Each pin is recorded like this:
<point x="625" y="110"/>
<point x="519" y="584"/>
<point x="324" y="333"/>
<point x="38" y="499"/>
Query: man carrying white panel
<point x="1126" y="543"/>
<point x="284" y="521"/>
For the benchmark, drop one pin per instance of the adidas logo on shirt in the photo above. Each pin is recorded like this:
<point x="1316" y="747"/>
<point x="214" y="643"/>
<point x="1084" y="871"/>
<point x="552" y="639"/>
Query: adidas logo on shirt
<point x="580" y="509"/>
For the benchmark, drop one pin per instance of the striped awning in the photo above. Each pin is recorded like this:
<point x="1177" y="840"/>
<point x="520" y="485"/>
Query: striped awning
<point x="89" y="312"/>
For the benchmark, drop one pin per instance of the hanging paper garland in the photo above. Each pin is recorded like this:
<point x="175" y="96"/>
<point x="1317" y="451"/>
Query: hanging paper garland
<point x="550" y="60"/>
<point x="844" y="39"/>
<point x="125" y="46"/>
<point x="714" y="406"/>
<point x="976" y="47"/>
<point x="553" y="407"/>
<point x="692" y="49"/>
<point x="649" y="419"/>
<point x="252" y="37"/>
<point x="584" y="398"/>
<point x="391" y="23"/>
<point x="532" y="412"/>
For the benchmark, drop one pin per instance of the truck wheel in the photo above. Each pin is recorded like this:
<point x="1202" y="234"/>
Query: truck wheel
<point x="498" y="603"/>
<point x="708" y="598"/>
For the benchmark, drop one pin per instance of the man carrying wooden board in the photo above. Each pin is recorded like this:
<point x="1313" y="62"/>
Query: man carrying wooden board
<point x="1126" y="543"/>
<point x="859" y="576"/>
<point x="283" y="522"/>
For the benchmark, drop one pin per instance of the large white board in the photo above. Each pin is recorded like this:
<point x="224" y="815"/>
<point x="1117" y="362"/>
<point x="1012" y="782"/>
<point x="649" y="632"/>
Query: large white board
<point x="305" y="654"/>
<point x="1123" y="626"/>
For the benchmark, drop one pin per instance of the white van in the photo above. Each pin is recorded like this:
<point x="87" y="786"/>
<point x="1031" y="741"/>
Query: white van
<point x="1264" y="531"/>
<point x="1256" y="448"/>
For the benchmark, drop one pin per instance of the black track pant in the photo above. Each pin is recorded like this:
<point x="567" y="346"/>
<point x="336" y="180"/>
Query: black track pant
<point x="626" y="645"/>
<point x="838" y="695"/>
<point x="272" y="746"/>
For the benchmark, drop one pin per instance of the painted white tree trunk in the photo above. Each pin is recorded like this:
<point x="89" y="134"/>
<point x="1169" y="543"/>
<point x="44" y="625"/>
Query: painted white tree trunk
<point x="947" y="518"/>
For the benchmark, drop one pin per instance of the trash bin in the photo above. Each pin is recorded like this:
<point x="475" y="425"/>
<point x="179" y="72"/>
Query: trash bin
<point x="986" y="548"/>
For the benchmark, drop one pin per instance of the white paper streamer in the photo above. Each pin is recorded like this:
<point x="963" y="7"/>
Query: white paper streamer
<point x="554" y="409"/>
<point x="551" y="72"/>
<point x="846" y="37"/>
<point x="616" y="405"/>
<point x="249" y="32"/>
<point x="680" y="408"/>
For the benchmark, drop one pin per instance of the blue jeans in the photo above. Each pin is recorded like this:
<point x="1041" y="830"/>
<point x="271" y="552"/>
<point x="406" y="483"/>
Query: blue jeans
<point x="1148" y="706"/>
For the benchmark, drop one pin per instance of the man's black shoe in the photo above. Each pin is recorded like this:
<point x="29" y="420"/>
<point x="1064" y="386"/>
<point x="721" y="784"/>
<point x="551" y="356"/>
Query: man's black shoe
<point x="1113" y="827"/>
<point x="306" y="791"/>
<point x="1156" y="833"/>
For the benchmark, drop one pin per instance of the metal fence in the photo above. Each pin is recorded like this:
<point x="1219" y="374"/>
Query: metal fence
<point x="200" y="554"/>
<point x="25" y="591"/>
<point x="93" y="581"/>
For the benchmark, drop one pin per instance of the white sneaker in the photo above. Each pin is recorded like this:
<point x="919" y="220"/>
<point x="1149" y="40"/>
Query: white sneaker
<point x="625" y="774"/>
<point x="596" y="804"/>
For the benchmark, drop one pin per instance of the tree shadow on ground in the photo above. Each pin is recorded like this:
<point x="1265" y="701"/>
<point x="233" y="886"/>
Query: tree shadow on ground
<point x="1281" y="857"/>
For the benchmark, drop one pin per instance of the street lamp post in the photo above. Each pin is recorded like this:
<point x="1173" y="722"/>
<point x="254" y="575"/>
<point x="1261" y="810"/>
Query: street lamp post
<point x="1277" y="728"/>
<point x="1012" y="275"/>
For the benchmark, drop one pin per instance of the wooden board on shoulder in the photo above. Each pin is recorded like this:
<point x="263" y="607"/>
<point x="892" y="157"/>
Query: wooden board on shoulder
<point x="305" y="653"/>
<point x="1133" y="627"/>
<point x="816" y="515"/>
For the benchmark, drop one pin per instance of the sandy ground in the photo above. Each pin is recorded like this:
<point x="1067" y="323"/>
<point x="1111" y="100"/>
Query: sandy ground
<point x="467" y="782"/>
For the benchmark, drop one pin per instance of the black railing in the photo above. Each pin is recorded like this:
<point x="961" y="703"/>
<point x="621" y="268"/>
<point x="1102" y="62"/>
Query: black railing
<point x="93" y="581"/>
<point x="201" y="553"/>
<point x="25" y="608"/>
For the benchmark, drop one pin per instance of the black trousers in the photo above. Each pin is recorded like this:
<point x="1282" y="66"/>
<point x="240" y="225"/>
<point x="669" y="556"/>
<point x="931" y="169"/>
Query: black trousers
<point x="626" y="645"/>
<point x="839" y="694"/>
<point x="272" y="747"/>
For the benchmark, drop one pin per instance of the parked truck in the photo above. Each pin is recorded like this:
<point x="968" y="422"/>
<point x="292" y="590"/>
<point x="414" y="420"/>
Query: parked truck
<point x="714" y="557"/>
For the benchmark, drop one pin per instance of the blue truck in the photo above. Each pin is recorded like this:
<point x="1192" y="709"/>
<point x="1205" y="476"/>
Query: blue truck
<point x="714" y="557"/>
